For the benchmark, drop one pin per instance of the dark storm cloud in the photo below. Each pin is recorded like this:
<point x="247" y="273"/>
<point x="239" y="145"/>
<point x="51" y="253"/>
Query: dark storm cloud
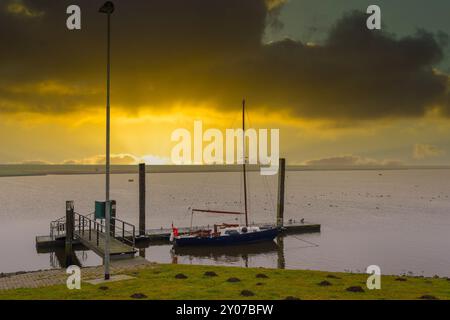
<point x="169" y="51"/>
<point x="357" y="73"/>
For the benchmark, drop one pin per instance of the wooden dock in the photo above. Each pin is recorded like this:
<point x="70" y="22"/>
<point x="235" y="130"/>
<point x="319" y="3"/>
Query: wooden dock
<point x="156" y="236"/>
<point x="87" y="233"/>
<point x="118" y="249"/>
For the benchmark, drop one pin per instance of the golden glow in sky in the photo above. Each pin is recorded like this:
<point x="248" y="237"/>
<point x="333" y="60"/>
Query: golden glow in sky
<point x="354" y="97"/>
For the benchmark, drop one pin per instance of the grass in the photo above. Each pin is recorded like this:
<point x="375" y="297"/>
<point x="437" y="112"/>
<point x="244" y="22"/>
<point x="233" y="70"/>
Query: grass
<point x="159" y="282"/>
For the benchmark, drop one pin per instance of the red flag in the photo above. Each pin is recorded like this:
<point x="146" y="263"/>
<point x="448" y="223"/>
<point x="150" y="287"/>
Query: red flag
<point x="174" y="231"/>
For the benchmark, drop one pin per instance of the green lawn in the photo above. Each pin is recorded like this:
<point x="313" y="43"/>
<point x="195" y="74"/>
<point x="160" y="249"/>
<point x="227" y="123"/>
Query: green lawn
<point x="159" y="282"/>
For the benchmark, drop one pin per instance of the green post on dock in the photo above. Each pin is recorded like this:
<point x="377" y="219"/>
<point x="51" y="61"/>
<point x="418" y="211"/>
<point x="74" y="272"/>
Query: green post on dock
<point x="70" y="223"/>
<point x="280" y="201"/>
<point x="142" y="199"/>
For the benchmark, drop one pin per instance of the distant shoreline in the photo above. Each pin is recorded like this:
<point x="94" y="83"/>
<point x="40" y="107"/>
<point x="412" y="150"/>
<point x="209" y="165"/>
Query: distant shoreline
<point x="26" y="170"/>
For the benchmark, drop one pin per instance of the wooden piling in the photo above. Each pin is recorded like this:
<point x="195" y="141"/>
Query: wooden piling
<point x="280" y="201"/>
<point x="281" y="261"/>
<point x="142" y="199"/>
<point x="70" y="224"/>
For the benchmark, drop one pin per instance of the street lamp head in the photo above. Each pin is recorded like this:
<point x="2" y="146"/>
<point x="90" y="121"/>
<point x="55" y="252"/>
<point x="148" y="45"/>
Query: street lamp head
<point x="108" y="7"/>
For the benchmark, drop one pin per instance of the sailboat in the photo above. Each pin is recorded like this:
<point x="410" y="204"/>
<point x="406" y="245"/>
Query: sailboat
<point x="227" y="234"/>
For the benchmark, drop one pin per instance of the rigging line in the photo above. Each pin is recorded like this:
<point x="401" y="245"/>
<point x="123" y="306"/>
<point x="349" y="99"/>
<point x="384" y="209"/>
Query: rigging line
<point x="244" y="171"/>
<point x="286" y="177"/>
<point x="249" y="194"/>
<point x="205" y="180"/>
<point x="271" y="197"/>
<point x="300" y="247"/>
<point x="264" y="182"/>
<point x="234" y="119"/>
<point x="306" y="241"/>
<point x="248" y="118"/>
<point x="240" y="193"/>
<point x="246" y="158"/>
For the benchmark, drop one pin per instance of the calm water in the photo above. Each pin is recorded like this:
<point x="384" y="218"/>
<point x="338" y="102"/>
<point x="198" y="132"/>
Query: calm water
<point x="399" y="220"/>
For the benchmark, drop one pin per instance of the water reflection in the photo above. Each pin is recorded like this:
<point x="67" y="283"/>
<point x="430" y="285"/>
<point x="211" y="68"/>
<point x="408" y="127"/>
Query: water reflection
<point x="281" y="259"/>
<point x="59" y="258"/>
<point x="142" y="252"/>
<point x="264" y="254"/>
<point x="230" y="254"/>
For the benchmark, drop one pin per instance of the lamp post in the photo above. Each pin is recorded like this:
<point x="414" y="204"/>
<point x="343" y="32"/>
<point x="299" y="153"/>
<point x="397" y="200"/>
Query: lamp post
<point x="108" y="9"/>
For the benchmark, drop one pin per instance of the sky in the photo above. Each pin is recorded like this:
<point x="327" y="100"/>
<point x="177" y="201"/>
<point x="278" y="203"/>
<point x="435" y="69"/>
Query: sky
<point x="338" y="92"/>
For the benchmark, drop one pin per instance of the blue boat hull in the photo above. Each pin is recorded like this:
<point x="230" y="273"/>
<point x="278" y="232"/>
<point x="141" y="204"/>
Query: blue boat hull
<point x="243" y="238"/>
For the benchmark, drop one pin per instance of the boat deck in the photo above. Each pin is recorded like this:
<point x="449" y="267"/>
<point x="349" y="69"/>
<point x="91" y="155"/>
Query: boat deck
<point x="163" y="234"/>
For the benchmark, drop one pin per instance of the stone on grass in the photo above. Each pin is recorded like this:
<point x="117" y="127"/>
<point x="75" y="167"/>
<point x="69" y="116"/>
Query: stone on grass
<point x="291" y="298"/>
<point x="103" y="288"/>
<point x="180" y="276"/>
<point x="324" y="283"/>
<point x="210" y="274"/>
<point x="247" y="293"/>
<point x="138" y="296"/>
<point x="355" y="289"/>
<point x="233" y="280"/>
<point x="261" y="276"/>
<point x="401" y="279"/>
<point x="332" y="276"/>
<point x="259" y="284"/>
<point x="428" y="297"/>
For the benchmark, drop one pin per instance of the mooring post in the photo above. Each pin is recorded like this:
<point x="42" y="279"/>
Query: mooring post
<point x="280" y="202"/>
<point x="280" y="250"/>
<point x="70" y="219"/>
<point x="142" y="199"/>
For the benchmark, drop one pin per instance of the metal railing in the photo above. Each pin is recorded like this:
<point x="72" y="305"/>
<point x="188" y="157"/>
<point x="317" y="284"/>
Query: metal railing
<point x="57" y="227"/>
<point x="84" y="225"/>
<point x="127" y="232"/>
<point x="93" y="229"/>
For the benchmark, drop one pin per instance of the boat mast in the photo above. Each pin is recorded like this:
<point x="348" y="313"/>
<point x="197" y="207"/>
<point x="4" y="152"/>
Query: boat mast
<point x="243" y="165"/>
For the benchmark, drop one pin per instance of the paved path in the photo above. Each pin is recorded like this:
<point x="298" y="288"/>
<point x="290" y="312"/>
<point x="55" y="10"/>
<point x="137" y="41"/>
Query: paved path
<point x="59" y="276"/>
